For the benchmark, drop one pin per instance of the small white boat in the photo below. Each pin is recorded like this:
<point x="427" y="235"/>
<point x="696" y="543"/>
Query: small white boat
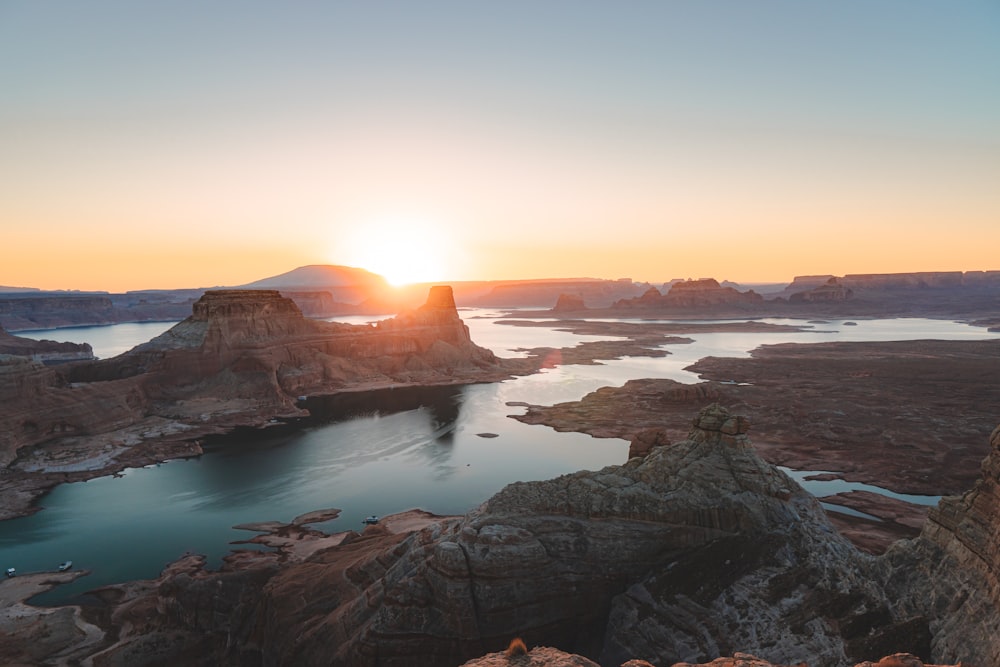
<point x="370" y="520"/>
<point x="11" y="572"/>
<point x="65" y="566"/>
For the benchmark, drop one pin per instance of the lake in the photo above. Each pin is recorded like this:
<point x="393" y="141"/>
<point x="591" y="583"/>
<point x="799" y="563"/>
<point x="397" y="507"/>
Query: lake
<point x="378" y="453"/>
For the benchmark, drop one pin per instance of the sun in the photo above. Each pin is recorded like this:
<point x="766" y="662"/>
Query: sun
<point x="402" y="249"/>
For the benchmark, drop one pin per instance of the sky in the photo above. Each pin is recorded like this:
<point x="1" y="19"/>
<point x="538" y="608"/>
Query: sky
<point x="188" y="144"/>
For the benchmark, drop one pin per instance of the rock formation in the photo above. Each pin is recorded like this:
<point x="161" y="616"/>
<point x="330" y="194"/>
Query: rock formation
<point x="242" y="358"/>
<point x="569" y="303"/>
<point x="692" y="294"/>
<point x="831" y="290"/>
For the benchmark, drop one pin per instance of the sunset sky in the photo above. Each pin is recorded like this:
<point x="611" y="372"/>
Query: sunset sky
<point x="193" y="144"/>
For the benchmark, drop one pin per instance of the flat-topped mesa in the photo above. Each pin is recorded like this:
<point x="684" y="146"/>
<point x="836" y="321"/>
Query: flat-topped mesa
<point x="707" y="291"/>
<point x="831" y="290"/>
<point x="260" y="346"/>
<point x="251" y="304"/>
<point x="237" y="318"/>
<point x="701" y="293"/>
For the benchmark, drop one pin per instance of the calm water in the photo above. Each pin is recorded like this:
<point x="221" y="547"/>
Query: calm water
<point x="378" y="454"/>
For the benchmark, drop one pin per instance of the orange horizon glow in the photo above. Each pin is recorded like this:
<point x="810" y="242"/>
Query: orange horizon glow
<point x="672" y="147"/>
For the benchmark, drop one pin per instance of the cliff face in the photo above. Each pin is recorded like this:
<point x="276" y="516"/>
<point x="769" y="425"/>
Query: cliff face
<point x="951" y="573"/>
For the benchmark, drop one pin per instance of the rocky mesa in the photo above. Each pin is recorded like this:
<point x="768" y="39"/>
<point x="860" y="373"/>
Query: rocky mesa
<point x="243" y="358"/>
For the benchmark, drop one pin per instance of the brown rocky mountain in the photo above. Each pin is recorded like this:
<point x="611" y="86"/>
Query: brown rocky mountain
<point x="696" y="550"/>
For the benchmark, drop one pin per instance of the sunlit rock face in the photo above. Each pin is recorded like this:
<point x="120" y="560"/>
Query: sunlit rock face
<point x="951" y="573"/>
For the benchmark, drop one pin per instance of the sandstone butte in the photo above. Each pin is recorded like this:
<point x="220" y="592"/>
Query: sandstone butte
<point x="697" y="549"/>
<point x="241" y="359"/>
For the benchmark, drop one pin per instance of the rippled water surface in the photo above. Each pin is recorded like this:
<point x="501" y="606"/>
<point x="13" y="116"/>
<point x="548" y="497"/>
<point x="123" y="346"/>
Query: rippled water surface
<point x="377" y="454"/>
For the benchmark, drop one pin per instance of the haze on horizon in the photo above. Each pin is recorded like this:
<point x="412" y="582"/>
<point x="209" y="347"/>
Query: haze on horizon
<point x="190" y="144"/>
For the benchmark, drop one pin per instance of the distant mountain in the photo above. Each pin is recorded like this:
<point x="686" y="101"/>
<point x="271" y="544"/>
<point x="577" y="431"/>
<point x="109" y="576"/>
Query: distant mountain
<point x="317" y="276"/>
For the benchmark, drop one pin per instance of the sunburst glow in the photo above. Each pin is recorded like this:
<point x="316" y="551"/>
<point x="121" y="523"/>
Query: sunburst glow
<point x="402" y="249"/>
